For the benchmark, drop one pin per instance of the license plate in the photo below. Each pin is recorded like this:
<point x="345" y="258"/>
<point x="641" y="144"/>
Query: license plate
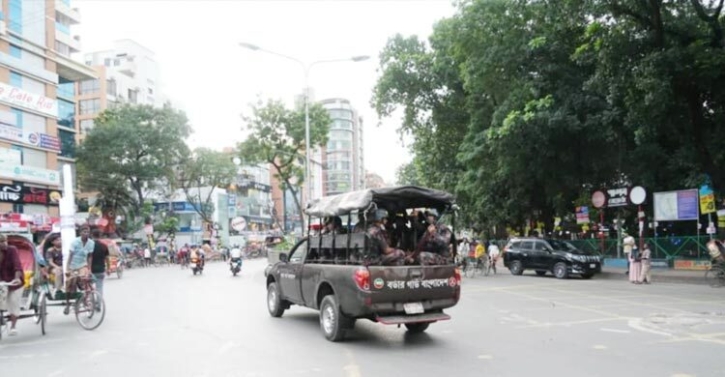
<point x="413" y="308"/>
<point x="593" y="265"/>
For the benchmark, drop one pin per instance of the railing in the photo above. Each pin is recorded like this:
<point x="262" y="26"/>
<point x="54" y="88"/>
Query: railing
<point x="685" y="247"/>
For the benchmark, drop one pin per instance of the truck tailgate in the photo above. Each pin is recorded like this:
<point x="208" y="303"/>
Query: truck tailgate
<point x="401" y="284"/>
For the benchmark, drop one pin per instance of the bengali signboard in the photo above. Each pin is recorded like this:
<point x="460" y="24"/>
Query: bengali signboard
<point x="707" y="200"/>
<point x="676" y="205"/>
<point x="18" y="97"/>
<point x="582" y="215"/>
<point x="697" y="265"/>
<point x="20" y="194"/>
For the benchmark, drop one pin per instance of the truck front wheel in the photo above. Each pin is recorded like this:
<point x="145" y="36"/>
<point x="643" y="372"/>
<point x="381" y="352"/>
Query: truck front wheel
<point x="417" y="328"/>
<point x="275" y="305"/>
<point x="332" y="322"/>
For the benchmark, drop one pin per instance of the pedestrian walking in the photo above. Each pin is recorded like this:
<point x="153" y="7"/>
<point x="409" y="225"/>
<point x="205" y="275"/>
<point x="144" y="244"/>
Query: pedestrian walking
<point x="147" y="255"/>
<point x="635" y="266"/>
<point x="645" y="275"/>
<point x="100" y="261"/>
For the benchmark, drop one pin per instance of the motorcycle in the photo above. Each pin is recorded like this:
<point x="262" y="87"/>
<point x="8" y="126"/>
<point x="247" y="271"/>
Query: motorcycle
<point x="197" y="266"/>
<point x="235" y="265"/>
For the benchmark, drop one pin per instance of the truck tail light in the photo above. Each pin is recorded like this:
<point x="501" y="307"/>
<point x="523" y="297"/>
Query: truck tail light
<point x="457" y="276"/>
<point x="362" y="278"/>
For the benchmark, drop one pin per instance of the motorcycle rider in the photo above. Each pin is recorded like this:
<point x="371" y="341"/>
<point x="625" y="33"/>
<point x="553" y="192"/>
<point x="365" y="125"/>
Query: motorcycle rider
<point x="235" y="255"/>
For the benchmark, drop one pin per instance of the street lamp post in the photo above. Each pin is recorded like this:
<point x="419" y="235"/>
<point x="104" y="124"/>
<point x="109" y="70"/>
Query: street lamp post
<point x="306" y="68"/>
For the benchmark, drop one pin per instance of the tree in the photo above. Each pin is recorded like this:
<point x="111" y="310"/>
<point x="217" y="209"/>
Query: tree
<point x="523" y="107"/>
<point x="201" y="174"/>
<point x="277" y="137"/>
<point x="131" y="152"/>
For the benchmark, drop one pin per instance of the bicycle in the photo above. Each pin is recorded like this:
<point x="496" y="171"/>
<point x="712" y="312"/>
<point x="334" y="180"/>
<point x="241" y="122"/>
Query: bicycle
<point x="89" y="308"/>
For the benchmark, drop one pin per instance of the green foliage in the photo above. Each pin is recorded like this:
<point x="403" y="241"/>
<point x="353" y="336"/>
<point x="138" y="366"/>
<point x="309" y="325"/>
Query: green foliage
<point x="132" y="151"/>
<point x="277" y="137"/>
<point x="205" y="170"/>
<point x="522" y="107"/>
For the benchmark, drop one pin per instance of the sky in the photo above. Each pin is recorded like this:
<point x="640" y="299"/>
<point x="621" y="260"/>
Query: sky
<point x="205" y="73"/>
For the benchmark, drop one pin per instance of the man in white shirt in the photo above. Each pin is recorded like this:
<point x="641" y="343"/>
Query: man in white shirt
<point x="235" y="253"/>
<point x="493" y="254"/>
<point x="147" y="255"/>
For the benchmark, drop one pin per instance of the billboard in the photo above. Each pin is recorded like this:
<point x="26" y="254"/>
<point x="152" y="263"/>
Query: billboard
<point x="677" y="205"/>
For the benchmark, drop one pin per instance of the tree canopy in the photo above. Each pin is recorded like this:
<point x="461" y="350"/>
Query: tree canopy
<point x="131" y="152"/>
<point x="201" y="173"/>
<point x="277" y="137"/>
<point x="523" y="107"/>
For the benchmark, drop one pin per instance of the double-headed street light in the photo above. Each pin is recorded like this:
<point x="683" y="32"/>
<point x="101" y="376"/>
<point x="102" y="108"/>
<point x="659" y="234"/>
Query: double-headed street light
<point x="306" y="68"/>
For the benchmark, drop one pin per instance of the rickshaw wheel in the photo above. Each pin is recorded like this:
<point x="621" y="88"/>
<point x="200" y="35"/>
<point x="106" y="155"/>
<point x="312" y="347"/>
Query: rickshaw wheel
<point x="90" y="310"/>
<point x="43" y="313"/>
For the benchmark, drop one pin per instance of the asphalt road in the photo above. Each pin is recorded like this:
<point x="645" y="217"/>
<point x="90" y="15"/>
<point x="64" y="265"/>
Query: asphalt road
<point x="166" y="322"/>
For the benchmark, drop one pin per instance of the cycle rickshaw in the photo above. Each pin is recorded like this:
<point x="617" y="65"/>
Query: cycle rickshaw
<point x="88" y="306"/>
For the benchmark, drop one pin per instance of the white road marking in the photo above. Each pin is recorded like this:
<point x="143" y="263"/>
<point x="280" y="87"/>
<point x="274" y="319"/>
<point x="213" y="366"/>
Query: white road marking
<point x="615" y="331"/>
<point x="226" y="347"/>
<point x="351" y="369"/>
<point x="98" y="353"/>
<point x="599" y="347"/>
<point x="485" y="357"/>
<point x="637" y="325"/>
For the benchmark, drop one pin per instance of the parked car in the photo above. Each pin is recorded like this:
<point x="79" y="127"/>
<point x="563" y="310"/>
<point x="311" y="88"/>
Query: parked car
<point x="547" y="255"/>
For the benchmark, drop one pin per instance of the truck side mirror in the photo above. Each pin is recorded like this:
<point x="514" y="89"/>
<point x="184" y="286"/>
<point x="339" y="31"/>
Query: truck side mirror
<point x="283" y="257"/>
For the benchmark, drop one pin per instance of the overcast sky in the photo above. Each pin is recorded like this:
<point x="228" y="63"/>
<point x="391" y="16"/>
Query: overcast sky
<point x="204" y="72"/>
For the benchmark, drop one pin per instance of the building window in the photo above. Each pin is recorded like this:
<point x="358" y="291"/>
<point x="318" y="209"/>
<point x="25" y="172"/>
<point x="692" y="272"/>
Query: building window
<point x="86" y="126"/>
<point x="111" y="87"/>
<point x="59" y="26"/>
<point x="88" y="62"/>
<point x="90" y="106"/>
<point x="16" y="51"/>
<point x="36" y="159"/>
<point x="116" y="62"/>
<point x="90" y="86"/>
<point x="107" y="62"/>
<point x="66" y="113"/>
<point x="16" y="16"/>
<point x="18" y="117"/>
<point x="62" y="48"/>
<point x="132" y="96"/>
<point x="16" y="79"/>
<point x="67" y="89"/>
<point x="19" y="149"/>
<point x="67" y="143"/>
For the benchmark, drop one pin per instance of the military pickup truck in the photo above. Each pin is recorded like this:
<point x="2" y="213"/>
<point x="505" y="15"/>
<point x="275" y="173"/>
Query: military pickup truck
<point x="338" y="274"/>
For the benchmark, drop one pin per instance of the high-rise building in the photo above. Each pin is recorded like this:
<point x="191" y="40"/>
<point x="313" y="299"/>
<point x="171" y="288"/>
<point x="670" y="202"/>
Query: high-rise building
<point x="342" y="159"/>
<point x="127" y="73"/>
<point x="37" y="102"/>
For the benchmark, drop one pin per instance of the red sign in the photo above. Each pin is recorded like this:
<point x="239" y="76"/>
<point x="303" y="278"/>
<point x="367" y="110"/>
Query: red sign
<point x="599" y="199"/>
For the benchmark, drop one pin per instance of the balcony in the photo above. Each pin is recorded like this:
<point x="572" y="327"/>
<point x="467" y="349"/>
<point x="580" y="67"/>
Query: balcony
<point x="127" y="67"/>
<point x="74" y="43"/>
<point x="63" y="7"/>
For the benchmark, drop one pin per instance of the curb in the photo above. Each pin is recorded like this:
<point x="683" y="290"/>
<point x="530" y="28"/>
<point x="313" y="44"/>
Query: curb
<point x="698" y="279"/>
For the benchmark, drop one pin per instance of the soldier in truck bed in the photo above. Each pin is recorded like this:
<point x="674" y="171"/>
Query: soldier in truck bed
<point x="379" y="241"/>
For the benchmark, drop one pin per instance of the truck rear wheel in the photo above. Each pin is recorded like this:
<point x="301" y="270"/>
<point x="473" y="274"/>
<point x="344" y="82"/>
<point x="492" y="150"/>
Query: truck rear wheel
<point x="417" y="328"/>
<point x="332" y="322"/>
<point x="274" y="302"/>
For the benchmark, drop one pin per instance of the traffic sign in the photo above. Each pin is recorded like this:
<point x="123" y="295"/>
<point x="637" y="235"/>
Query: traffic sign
<point x="599" y="200"/>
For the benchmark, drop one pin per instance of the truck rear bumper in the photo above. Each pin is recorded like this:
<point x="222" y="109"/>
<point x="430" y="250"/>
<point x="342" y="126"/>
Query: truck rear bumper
<point x="418" y="318"/>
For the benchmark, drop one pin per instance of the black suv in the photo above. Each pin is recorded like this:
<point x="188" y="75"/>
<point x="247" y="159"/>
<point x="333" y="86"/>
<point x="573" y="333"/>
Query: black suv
<point x="542" y="255"/>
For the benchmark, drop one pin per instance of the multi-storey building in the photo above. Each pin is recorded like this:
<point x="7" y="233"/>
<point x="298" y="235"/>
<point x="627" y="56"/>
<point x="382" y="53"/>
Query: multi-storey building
<point x="343" y="161"/>
<point x="37" y="102"/>
<point x="127" y="73"/>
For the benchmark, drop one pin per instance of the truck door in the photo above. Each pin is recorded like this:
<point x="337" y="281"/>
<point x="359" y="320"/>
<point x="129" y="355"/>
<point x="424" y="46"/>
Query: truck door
<point x="291" y="273"/>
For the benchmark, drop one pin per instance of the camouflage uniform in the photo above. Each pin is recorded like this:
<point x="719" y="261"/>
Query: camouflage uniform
<point x="380" y="250"/>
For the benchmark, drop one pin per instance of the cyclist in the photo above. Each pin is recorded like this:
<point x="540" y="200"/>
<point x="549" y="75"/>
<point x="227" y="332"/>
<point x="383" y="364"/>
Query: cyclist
<point x="480" y="253"/>
<point x="80" y="254"/>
